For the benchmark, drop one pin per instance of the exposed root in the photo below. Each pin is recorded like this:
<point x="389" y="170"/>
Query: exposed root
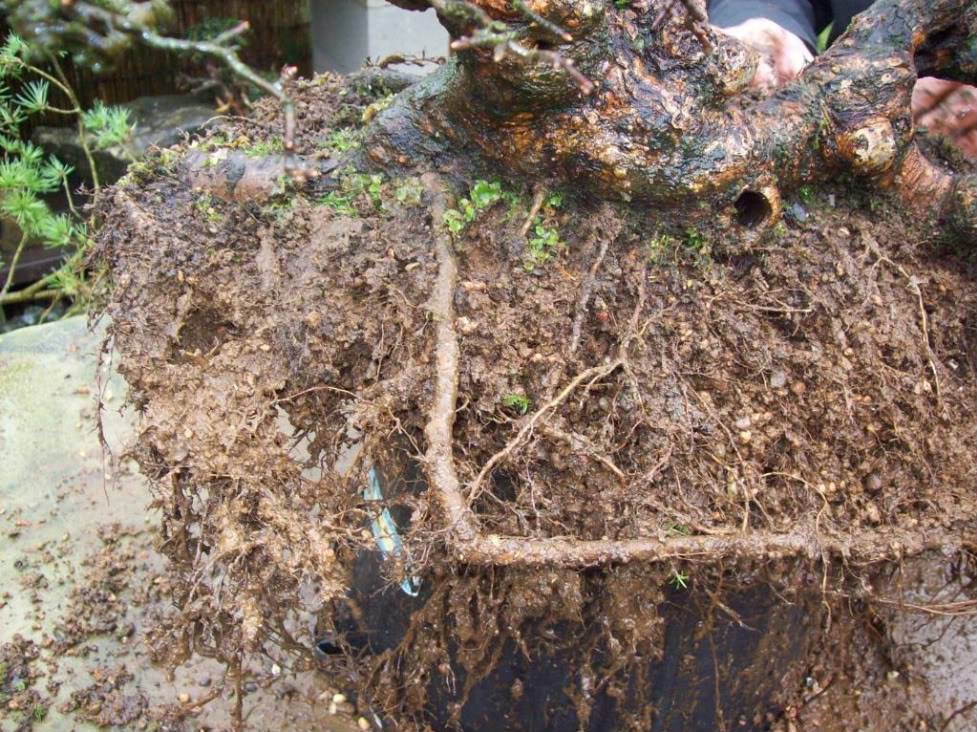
<point x="538" y="197"/>
<point x="469" y="544"/>
<point x="589" y="376"/>
<point x="579" y="442"/>
<point x="923" y="320"/>
<point x="236" y="176"/>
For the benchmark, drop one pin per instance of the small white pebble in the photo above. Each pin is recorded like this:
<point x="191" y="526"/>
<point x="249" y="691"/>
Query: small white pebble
<point x="276" y="670"/>
<point x="362" y="723"/>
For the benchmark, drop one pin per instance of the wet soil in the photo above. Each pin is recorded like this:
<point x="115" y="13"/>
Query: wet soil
<point x="815" y="376"/>
<point x="81" y="580"/>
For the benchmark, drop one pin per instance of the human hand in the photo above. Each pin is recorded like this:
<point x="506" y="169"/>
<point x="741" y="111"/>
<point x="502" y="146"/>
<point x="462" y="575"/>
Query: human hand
<point x="782" y="54"/>
<point x="947" y="108"/>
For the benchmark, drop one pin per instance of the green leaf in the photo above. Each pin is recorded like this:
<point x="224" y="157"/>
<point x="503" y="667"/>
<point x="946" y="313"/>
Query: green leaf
<point x="454" y="220"/>
<point x="27" y="210"/>
<point x="11" y="53"/>
<point x="678" y="580"/>
<point x="11" y="119"/>
<point x="109" y="125"/>
<point x="13" y="47"/>
<point x="484" y="194"/>
<point x="33" y="97"/>
<point x="56" y="231"/>
<point x="18" y="175"/>
<point x="56" y="171"/>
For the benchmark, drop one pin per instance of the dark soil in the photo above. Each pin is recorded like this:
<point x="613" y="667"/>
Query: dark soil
<point x="817" y="377"/>
<point x="20" y="703"/>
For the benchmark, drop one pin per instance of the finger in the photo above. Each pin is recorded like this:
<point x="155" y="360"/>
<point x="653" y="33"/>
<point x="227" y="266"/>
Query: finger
<point x="791" y="56"/>
<point x="929" y="94"/>
<point x="765" y="78"/>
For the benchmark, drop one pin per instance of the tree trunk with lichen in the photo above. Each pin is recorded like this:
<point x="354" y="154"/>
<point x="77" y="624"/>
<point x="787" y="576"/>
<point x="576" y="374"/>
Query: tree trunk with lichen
<point x="662" y="114"/>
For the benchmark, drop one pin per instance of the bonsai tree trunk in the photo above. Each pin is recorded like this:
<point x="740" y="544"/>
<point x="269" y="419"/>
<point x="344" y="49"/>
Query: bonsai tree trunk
<point x="652" y="107"/>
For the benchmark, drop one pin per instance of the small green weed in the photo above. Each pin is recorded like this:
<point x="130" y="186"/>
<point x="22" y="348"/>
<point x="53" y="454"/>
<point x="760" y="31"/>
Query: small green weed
<point x="409" y="192"/>
<point x="661" y="248"/>
<point x="541" y="246"/>
<point x="554" y="200"/>
<point x="806" y="194"/>
<point x="679" y="580"/>
<point x="355" y="186"/>
<point x="699" y="246"/>
<point x="516" y="402"/>
<point x="205" y="205"/>
<point x="483" y="195"/>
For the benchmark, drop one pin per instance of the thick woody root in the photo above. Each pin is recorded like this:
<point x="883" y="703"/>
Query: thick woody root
<point x="469" y="544"/>
<point x="668" y="121"/>
<point x="236" y="176"/>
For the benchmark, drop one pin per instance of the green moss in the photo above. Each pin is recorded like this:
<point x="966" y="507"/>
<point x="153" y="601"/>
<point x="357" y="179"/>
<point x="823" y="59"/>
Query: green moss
<point x="342" y="140"/>
<point x="205" y="204"/>
<point x="264" y="148"/>
<point x="409" y="191"/>
<point x="516" y="402"/>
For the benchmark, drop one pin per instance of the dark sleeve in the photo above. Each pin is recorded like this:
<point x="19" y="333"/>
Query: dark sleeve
<point x="843" y="11"/>
<point x="797" y="16"/>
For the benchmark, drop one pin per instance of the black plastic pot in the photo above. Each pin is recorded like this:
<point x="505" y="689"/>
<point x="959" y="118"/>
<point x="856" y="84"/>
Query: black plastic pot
<point x="719" y="669"/>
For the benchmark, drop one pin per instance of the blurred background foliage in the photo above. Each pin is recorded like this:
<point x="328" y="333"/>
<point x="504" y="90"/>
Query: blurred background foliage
<point x="68" y="64"/>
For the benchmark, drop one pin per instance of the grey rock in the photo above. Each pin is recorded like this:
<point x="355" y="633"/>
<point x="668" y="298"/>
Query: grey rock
<point x="160" y="121"/>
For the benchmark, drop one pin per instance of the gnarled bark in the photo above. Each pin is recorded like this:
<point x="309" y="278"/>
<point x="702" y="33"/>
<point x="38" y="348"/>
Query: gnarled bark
<point x="668" y="120"/>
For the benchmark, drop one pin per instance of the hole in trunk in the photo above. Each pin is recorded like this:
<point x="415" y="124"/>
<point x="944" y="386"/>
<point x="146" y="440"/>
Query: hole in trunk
<point x="752" y="209"/>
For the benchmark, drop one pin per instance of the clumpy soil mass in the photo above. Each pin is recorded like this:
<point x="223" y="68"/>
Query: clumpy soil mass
<point x="812" y="378"/>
